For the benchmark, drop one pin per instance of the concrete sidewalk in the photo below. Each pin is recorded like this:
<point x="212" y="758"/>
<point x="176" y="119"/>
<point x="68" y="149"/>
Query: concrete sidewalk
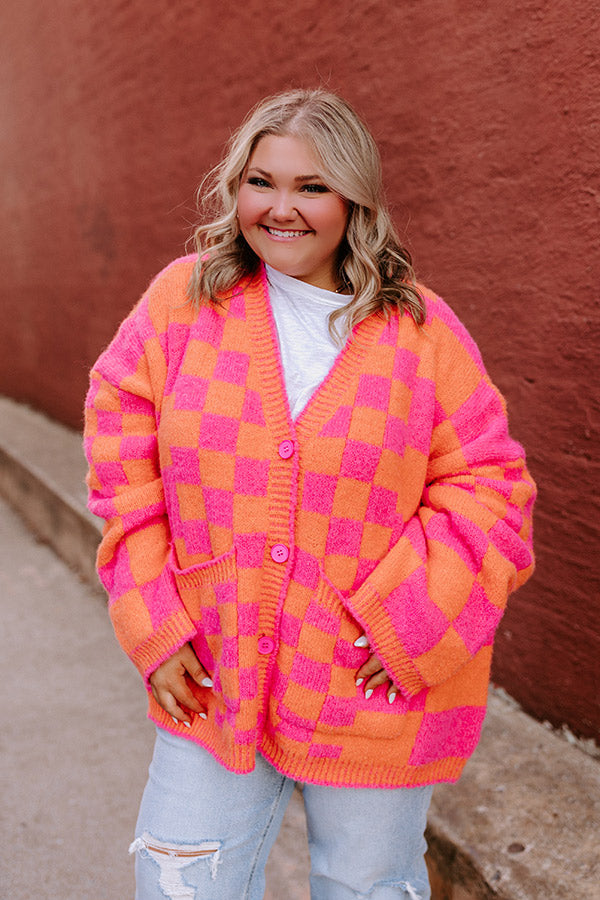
<point x="522" y="823"/>
<point x="75" y="742"/>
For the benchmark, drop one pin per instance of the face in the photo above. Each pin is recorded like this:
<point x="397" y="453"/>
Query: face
<point x="288" y="215"/>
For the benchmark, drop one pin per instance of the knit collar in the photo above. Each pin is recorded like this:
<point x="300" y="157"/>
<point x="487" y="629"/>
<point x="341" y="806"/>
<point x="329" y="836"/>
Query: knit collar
<point x="329" y="394"/>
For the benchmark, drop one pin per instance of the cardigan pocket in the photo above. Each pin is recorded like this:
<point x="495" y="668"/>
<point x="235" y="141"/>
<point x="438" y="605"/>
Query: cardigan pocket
<point x="327" y="662"/>
<point x="209" y="594"/>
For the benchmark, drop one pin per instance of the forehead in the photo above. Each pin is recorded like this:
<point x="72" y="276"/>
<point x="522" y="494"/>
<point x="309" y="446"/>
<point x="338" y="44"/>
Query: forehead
<point x="285" y="152"/>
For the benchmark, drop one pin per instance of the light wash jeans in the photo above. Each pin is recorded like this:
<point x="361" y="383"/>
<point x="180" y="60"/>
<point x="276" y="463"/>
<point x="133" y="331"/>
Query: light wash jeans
<point x="204" y="833"/>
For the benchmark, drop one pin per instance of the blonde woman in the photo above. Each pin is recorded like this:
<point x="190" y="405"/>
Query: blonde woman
<point x="314" y="515"/>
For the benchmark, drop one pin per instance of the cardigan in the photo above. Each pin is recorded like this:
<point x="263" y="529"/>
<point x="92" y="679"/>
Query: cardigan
<point x="396" y="505"/>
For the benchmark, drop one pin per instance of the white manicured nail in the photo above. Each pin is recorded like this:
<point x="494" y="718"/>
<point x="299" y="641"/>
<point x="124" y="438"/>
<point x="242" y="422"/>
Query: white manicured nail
<point x="392" y="697"/>
<point x="187" y="724"/>
<point x="359" y="681"/>
<point x="368" y="693"/>
<point x="203" y="715"/>
<point x="207" y="682"/>
<point x="176" y="721"/>
<point x="362" y="641"/>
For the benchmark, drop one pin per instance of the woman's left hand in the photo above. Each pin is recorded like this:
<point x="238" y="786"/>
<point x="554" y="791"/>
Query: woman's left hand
<point x="372" y="674"/>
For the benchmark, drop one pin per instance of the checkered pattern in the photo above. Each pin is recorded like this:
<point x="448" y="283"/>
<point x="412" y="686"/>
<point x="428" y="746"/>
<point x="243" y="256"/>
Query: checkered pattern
<point x="404" y="512"/>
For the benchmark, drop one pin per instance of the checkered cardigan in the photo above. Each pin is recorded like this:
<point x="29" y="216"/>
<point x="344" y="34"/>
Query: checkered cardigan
<point x="396" y="505"/>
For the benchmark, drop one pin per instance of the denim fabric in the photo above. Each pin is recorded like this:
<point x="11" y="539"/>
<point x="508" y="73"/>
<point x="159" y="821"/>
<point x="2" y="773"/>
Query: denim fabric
<point x="204" y="833"/>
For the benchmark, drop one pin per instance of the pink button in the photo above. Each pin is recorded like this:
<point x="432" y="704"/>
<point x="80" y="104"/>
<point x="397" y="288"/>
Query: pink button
<point x="279" y="553"/>
<point x="266" y="645"/>
<point x="286" y="449"/>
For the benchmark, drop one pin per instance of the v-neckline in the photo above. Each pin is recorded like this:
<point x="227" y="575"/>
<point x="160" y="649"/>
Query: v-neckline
<point x="326" y="397"/>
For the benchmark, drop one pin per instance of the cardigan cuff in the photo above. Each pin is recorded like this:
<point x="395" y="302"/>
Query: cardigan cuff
<point x="366" y="607"/>
<point x="176" y="631"/>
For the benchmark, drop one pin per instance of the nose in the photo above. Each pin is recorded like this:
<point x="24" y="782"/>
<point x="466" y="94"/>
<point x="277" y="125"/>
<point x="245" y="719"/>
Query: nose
<point x="282" y="208"/>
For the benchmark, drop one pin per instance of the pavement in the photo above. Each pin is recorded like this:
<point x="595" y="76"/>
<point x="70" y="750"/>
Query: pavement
<point x="522" y="823"/>
<point x="75" y="744"/>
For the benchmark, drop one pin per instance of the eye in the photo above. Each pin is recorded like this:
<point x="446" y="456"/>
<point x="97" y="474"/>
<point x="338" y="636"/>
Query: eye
<point x="315" y="188"/>
<point x="257" y="181"/>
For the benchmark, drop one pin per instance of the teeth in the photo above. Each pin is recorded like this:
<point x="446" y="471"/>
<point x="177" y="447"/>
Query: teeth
<point x="277" y="233"/>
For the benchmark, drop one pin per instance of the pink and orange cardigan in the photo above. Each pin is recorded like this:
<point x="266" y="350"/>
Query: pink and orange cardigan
<point x="396" y="505"/>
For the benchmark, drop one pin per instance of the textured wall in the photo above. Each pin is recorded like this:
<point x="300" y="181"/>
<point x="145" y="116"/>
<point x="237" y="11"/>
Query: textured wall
<point x="487" y="114"/>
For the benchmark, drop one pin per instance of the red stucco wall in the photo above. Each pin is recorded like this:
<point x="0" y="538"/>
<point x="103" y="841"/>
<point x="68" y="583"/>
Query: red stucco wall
<point x="487" y="114"/>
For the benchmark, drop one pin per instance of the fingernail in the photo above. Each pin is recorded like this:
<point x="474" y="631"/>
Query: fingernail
<point x="207" y="682"/>
<point x="203" y="715"/>
<point x="175" y="720"/>
<point x="187" y="724"/>
<point x="359" y="681"/>
<point x="392" y="697"/>
<point x="368" y="693"/>
<point x="362" y="641"/>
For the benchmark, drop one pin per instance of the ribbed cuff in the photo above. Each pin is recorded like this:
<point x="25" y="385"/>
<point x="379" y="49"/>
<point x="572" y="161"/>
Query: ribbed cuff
<point x="163" y="643"/>
<point x="367" y="608"/>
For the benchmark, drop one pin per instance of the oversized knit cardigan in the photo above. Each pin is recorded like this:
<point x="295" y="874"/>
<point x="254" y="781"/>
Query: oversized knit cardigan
<point x="396" y="505"/>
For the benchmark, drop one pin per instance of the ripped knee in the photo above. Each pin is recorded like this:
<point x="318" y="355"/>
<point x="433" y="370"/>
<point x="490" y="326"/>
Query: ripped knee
<point x="173" y="858"/>
<point x="400" y="888"/>
<point x="410" y="891"/>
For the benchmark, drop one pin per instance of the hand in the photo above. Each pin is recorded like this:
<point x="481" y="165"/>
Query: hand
<point x="170" y="687"/>
<point x="372" y="673"/>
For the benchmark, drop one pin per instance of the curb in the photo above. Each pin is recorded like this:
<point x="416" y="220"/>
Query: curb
<point x="522" y="823"/>
<point x="51" y="516"/>
<point x="42" y="472"/>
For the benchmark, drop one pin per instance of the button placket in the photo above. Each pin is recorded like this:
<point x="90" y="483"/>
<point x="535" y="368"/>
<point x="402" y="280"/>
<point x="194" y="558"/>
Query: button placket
<point x="266" y="645"/>
<point x="280" y="553"/>
<point x="286" y="449"/>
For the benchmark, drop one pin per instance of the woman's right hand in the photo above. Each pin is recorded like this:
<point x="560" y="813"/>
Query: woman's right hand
<point x="170" y="687"/>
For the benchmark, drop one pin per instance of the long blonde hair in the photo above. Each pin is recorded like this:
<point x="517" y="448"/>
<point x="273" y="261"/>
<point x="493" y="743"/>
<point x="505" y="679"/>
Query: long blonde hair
<point x="373" y="266"/>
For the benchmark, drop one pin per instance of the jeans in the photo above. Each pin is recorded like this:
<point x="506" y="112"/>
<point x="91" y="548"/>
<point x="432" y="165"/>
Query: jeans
<point x="205" y="833"/>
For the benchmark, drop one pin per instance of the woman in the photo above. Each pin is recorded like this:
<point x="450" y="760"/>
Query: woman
<point x="314" y="517"/>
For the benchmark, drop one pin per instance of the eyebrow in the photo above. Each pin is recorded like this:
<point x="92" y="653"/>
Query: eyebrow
<point x="299" y="178"/>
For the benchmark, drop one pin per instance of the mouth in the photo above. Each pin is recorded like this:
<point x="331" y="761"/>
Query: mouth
<point x="284" y="233"/>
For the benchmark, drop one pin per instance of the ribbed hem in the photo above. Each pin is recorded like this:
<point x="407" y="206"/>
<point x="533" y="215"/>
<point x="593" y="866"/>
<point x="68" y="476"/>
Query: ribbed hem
<point x="238" y="758"/>
<point x="335" y="773"/>
<point x="241" y="759"/>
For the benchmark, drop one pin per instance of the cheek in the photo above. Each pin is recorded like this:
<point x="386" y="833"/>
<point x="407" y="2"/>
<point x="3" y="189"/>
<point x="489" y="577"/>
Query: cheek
<point x="249" y="208"/>
<point x="334" y="219"/>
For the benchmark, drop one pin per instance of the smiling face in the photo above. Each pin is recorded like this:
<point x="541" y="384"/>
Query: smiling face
<point x="287" y="214"/>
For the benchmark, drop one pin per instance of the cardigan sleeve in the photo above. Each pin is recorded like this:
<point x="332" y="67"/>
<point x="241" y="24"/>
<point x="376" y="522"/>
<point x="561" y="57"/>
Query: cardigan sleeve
<point x="434" y="601"/>
<point x="126" y="490"/>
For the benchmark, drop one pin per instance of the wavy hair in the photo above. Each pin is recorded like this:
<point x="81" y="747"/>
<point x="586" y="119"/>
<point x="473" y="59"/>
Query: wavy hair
<point x="372" y="264"/>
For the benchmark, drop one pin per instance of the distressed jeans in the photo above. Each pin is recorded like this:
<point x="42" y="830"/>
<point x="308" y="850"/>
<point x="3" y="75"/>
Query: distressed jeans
<point x="205" y="833"/>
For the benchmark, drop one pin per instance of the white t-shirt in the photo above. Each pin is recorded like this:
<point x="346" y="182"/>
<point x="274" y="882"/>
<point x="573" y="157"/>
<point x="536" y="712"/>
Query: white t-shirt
<point x="301" y="312"/>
